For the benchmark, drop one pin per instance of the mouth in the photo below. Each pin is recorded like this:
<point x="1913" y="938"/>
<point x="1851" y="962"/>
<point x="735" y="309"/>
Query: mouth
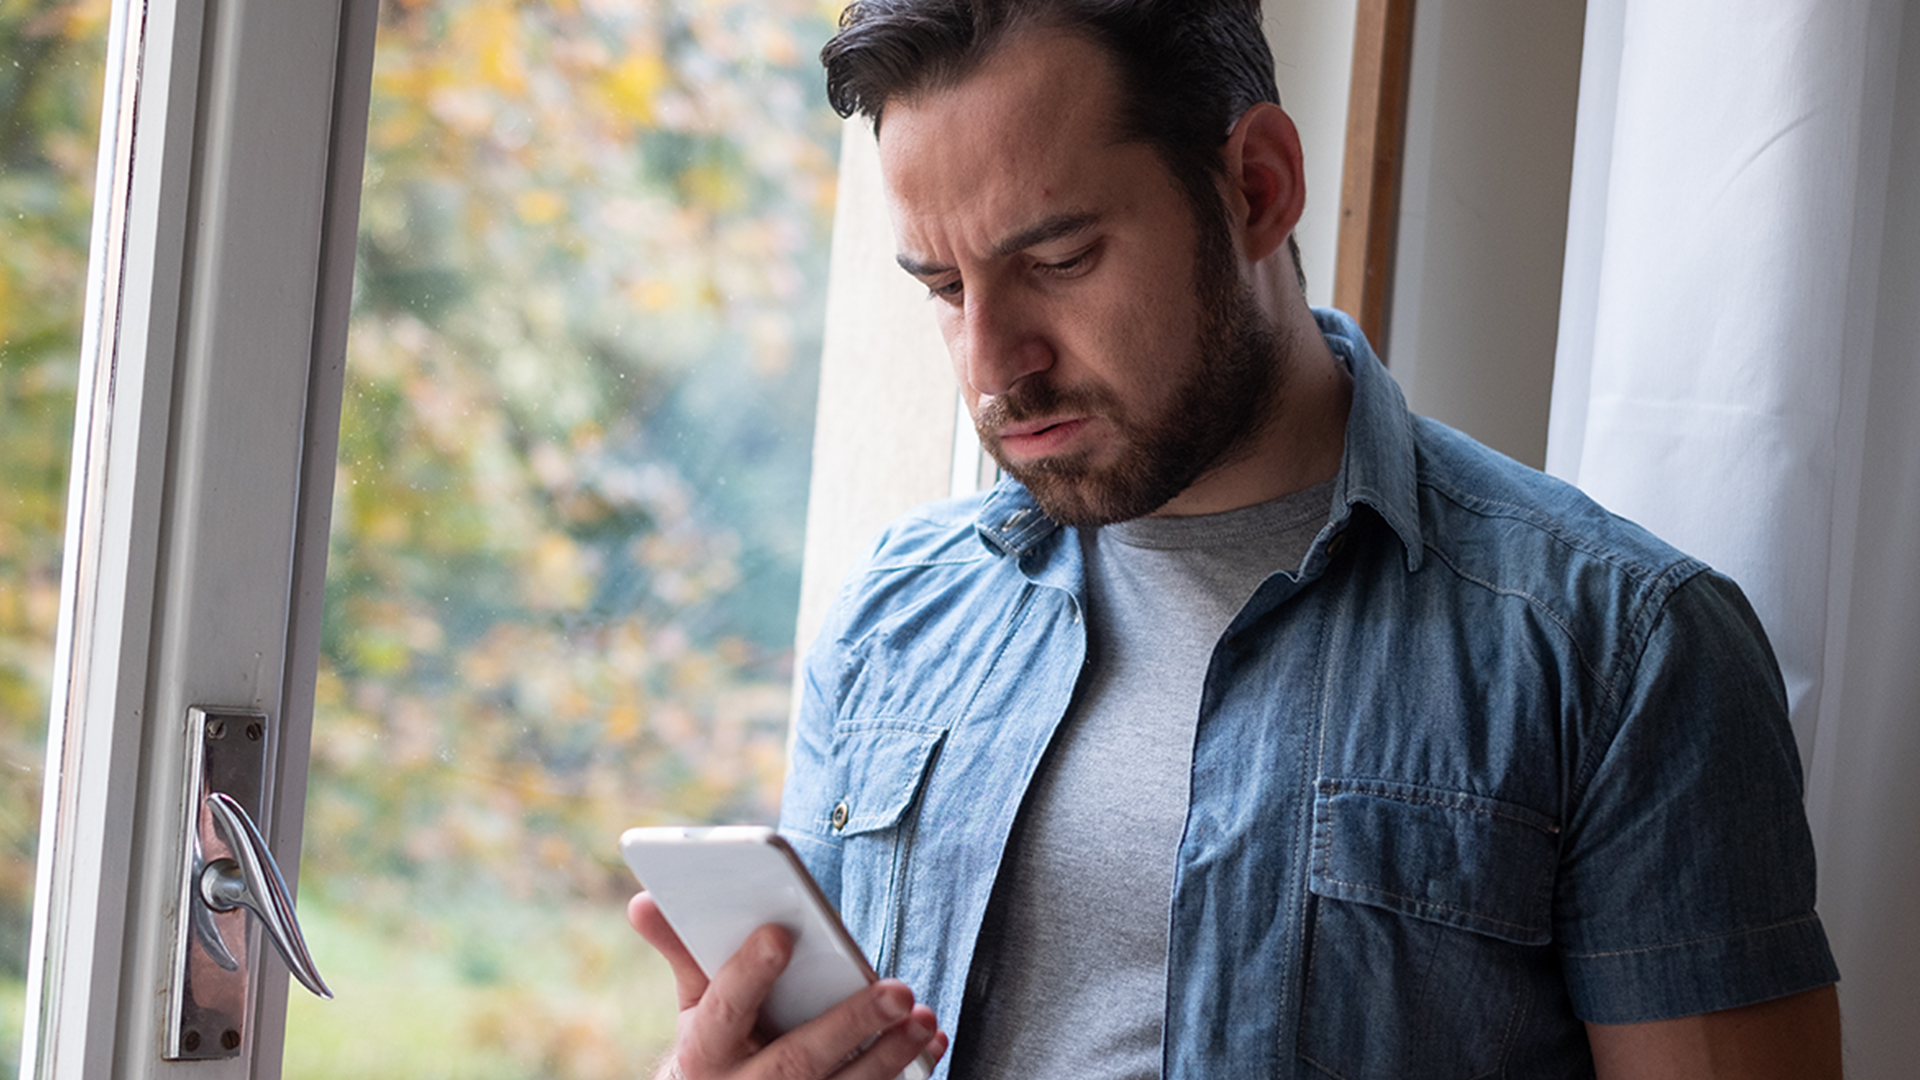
<point x="1039" y="438"/>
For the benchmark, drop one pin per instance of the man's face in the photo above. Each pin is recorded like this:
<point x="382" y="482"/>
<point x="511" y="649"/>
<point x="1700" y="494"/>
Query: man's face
<point x="1104" y="341"/>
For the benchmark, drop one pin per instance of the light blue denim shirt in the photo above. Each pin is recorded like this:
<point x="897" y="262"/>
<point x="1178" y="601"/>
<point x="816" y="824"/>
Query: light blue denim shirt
<point x="1487" y="763"/>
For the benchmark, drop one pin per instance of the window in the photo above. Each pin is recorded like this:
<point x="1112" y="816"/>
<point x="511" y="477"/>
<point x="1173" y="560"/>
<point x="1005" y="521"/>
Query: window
<point x="567" y="514"/>
<point x="224" y="257"/>
<point x="49" y="114"/>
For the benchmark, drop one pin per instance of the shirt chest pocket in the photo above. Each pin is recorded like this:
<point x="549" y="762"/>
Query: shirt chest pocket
<point x="884" y="765"/>
<point x="1431" y="915"/>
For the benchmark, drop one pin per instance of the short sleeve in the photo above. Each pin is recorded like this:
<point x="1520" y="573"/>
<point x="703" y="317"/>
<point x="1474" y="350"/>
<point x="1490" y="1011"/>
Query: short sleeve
<point x="1687" y="871"/>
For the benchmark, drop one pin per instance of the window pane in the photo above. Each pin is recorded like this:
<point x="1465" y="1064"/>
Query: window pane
<point x="567" y="522"/>
<point x="50" y="80"/>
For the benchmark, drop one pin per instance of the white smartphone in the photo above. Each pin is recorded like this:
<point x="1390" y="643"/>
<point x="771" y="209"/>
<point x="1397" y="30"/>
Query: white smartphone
<point x="717" y="884"/>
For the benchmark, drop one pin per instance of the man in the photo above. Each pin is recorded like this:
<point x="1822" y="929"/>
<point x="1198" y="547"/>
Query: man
<point x="1254" y="727"/>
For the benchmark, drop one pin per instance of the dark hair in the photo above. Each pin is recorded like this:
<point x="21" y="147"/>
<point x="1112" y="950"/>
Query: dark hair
<point x="1187" y="68"/>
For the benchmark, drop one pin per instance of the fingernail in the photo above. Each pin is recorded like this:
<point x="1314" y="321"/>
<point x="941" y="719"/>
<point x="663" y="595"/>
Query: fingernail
<point x="895" y="1005"/>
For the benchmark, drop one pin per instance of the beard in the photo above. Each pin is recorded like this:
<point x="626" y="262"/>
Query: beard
<point x="1227" y="393"/>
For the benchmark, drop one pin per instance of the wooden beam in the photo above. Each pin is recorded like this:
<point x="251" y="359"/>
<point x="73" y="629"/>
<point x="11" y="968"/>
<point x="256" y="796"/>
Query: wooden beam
<point x="1370" y="180"/>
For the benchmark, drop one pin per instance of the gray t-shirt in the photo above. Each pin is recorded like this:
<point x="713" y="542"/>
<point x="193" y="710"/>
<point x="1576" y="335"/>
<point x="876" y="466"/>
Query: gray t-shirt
<point x="1069" y="976"/>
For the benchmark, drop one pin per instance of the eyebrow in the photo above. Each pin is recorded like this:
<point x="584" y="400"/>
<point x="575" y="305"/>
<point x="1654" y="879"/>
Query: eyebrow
<point x="1046" y="230"/>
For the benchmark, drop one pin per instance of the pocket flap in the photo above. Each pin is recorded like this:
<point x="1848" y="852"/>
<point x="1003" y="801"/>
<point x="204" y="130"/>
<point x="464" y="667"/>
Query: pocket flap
<point x="1447" y="857"/>
<point x="886" y="762"/>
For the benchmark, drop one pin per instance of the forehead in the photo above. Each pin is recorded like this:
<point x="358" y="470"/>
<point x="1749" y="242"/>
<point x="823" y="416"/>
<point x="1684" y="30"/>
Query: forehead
<point x="1034" y="127"/>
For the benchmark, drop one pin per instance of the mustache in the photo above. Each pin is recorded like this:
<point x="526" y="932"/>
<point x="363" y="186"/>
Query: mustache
<point x="1033" y="399"/>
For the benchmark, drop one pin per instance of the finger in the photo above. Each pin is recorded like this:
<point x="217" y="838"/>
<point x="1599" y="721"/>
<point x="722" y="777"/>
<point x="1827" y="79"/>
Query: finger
<point x="688" y="980"/>
<point x="897" y="1047"/>
<point x="830" y="1040"/>
<point x="722" y="1026"/>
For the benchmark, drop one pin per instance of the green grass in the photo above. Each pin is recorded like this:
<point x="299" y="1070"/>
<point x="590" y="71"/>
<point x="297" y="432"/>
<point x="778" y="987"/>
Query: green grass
<point x="487" y="991"/>
<point x="13" y="1018"/>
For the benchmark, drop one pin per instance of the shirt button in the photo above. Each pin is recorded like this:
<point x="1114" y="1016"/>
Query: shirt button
<point x="840" y="816"/>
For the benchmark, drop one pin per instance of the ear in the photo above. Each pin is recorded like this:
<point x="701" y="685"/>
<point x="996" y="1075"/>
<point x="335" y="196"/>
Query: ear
<point x="1265" y="178"/>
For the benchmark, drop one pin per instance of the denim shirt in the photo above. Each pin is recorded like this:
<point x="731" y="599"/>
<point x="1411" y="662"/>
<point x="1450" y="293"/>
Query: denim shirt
<point x="1489" y="762"/>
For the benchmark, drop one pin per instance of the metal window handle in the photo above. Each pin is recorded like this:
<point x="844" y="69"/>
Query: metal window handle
<point x="251" y="879"/>
<point x="227" y="881"/>
<point x="207" y="933"/>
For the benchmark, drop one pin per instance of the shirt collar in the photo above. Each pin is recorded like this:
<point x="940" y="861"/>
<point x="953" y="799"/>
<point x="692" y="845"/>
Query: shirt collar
<point x="1012" y="521"/>
<point x="1377" y="467"/>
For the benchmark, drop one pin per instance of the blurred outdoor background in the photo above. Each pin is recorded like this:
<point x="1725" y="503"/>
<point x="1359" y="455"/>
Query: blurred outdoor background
<point x="52" y="53"/>
<point x="568" y="508"/>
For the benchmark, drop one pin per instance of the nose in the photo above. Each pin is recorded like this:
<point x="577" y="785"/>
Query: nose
<point x="998" y="340"/>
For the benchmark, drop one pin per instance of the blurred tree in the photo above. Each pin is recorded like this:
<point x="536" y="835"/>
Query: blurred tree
<point x="575" y="442"/>
<point x="51" y="58"/>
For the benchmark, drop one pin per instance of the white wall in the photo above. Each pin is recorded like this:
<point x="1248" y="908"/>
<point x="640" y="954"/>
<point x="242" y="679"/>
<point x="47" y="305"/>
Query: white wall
<point x="1483" y="209"/>
<point x="883" y="437"/>
<point x="1312" y="44"/>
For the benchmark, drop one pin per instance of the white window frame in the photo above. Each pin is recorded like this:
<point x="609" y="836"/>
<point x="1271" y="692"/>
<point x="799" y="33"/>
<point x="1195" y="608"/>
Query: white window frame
<point x="222" y="255"/>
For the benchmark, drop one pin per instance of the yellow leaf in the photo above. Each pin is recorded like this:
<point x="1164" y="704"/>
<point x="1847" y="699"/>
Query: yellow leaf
<point x="492" y="34"/>
<point x="624" y="720"/>
<point x="712" y="187"/>
<point x="541" y="207"/>
<point x="653" y="294"/>
<point x="557" y="578"/>
<point x="87" y="20"/>
<point x="629" y="89"/>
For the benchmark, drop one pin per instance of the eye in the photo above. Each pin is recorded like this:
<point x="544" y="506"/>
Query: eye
<point x="945" y="290"/>
<point x="1072" y="266"/>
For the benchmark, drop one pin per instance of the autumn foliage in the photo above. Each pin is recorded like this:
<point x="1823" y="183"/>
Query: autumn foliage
<point x="51" y="56"/>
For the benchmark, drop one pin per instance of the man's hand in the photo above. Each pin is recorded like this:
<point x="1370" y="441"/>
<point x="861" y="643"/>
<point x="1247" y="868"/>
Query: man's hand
<point x="718" y="1033"/>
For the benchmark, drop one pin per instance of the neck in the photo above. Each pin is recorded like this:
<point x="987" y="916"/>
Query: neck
<point x="1304" y="439"/>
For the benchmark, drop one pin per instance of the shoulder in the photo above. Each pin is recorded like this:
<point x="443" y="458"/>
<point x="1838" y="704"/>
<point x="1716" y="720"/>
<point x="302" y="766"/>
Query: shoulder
<point x="1494" y="523"/>
<point x="931" y="550"/>
<point x="1549" y="570"/>
<point x="1475" y="499"/>
<point x="931" y="534"/>
<point x="944" y="568"/>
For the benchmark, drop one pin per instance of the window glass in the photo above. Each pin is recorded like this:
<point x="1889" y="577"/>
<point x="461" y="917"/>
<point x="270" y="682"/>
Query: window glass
<point x="568" y="510"/>
<point x="52" y="53"/>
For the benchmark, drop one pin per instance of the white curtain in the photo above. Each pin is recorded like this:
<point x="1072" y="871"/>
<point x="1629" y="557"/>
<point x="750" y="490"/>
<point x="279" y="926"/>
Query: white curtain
<point x="1739" y="370"/>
